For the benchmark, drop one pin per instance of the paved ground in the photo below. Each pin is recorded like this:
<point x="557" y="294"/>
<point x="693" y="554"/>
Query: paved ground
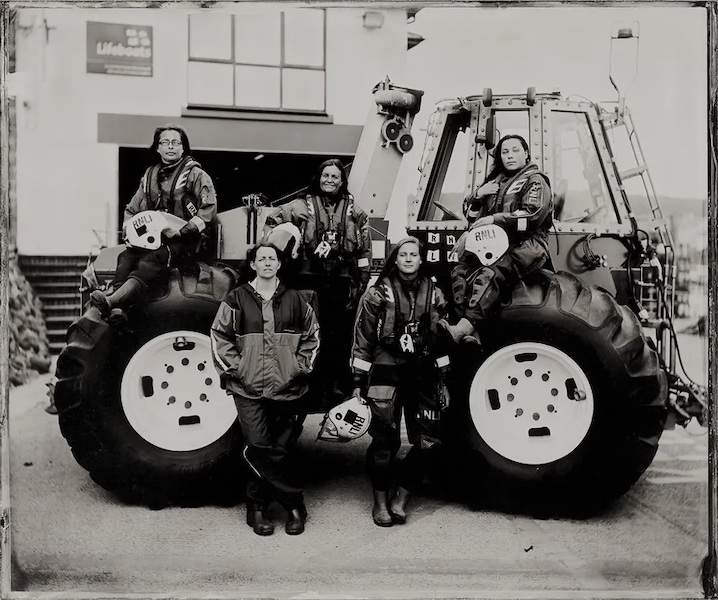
<point x="69" y="535"/>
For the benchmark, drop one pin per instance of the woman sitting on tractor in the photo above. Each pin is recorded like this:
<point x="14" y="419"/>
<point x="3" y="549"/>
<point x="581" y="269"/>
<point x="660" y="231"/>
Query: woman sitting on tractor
<point x="516" y="196"/>
<point x="175" y="185"/>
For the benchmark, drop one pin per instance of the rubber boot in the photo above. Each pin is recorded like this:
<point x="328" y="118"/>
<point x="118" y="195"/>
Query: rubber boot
<point x="380" y="513"/>
<point x="462" y="332"/>
<point x="119" y="299"/>
<point x="397" y="507"/>
<point x="295" y="521"/>
<point x="258" y="521"/>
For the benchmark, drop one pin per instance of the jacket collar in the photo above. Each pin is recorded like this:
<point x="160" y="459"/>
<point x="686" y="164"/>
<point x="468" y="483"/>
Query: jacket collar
<point x="278" y="290"/>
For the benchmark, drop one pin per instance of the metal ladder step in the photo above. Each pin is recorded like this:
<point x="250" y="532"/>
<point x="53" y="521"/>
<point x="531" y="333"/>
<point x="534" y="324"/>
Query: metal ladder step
<point x="635" y="172"/>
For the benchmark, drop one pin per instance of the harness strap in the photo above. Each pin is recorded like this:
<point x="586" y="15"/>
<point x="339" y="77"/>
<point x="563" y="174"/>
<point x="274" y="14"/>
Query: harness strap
<point x="152" y="173"/>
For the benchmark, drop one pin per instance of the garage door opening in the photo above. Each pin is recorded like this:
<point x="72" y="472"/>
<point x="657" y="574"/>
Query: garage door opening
<point x="235" y="174"/>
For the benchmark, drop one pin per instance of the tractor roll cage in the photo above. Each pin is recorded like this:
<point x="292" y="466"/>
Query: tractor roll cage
<point x="548" y="121"/>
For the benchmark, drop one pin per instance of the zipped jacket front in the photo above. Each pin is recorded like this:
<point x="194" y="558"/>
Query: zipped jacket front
<point x="265" y="349"/>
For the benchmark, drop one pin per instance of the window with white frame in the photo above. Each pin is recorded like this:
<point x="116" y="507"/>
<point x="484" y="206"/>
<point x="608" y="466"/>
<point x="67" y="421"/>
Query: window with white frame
<point x="263" y="60"/>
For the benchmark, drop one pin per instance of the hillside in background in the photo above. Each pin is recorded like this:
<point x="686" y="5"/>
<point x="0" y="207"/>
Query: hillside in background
<point x="682" y="206"/>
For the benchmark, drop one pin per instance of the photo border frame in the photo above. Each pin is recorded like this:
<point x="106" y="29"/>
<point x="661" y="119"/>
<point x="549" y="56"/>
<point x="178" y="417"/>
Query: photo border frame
<point x="709" y="568"/>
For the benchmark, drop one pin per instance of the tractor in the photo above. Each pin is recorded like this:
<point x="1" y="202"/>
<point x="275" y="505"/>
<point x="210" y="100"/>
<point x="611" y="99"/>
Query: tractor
<point x="559" y="411"/>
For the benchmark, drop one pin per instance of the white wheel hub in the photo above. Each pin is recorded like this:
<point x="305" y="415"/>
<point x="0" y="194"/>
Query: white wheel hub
<point x="531" y="403"/>
<point x="171" y="394"/>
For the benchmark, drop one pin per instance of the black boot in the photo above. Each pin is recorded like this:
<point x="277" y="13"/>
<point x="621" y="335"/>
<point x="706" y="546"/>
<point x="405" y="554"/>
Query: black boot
<point x="397" y="507"/>
<point x="380" y="513"/>
<point x="258" y="521"/>
<point x="119" y="299"/>
<point x="295" y="522"/>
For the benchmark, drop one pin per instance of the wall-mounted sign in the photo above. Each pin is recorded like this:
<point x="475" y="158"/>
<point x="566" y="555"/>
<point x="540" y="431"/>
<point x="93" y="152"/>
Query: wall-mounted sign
<point x="116" y="49"/>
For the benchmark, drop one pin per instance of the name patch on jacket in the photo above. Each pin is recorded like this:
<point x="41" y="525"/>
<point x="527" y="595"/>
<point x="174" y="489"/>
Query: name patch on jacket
<point x="534" y="190"/>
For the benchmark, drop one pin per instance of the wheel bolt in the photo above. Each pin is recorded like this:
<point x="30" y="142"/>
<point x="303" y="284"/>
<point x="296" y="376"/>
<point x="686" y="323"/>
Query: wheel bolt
<point x="536" y="416"/>
<point x="550" y="408"/>
<point x="519" y="412"/>
<point x="188" y="404"/>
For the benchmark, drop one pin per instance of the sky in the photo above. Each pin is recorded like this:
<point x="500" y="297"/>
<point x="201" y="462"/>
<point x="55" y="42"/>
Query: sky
<point x="512" y="48"/>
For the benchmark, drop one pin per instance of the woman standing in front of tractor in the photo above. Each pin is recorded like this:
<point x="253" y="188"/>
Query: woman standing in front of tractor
<point x="516" y="196"/>
<point x="398" y="363"/>
<point x="334" y="260"/>
<point x="265" y="340"/>
<point x="176" y="185"/>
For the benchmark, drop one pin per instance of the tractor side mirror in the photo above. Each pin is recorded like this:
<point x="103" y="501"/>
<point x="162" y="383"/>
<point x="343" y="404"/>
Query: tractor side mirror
<point x="488" y="139"/>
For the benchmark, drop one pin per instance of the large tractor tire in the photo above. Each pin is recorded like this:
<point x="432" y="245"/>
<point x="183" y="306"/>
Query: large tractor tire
<point x="142" y="407"/>
<point x="563" y="408"/>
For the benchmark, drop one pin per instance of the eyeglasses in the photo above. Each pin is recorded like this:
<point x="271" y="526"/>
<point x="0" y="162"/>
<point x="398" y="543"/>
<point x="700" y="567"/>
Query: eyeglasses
<point x="171" y="143"/>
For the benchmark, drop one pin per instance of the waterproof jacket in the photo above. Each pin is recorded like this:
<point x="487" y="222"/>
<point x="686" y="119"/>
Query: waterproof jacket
<point x="523" y="205"/>
<point x="265" y="350"/>
<point x="351" y="252"/>
<point x="183" y="189"/>
<point x="383" y="315"/>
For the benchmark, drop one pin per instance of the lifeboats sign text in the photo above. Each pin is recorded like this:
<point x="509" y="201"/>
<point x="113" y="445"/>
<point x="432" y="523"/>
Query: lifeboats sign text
<point x="116" y="49"/>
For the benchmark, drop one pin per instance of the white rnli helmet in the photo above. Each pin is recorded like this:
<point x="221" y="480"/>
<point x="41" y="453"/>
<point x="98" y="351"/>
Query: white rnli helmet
<point x="346" y="421"/>
<point x="488" y="242"/>
<point x="144" y="230"/>
<point x="286" y="237"/>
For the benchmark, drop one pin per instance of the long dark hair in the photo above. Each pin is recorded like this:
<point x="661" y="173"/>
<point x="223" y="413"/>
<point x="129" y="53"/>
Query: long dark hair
<point x="498" y="168"/>
<point x="314" y="188"/>
<point x="186" y="150"/>
<point x="390" y="267"/>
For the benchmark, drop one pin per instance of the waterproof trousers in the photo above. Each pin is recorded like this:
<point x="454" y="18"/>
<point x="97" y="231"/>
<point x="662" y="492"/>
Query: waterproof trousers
<point x="270" y="434"/>
<point x="416" y="396"/>
<point x="336" y="326"/>
<point x="476" y="288"/>
<point x="146" y="265"/>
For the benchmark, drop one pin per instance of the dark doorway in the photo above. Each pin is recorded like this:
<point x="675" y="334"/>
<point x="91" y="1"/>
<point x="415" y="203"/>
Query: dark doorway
<point x="235" y="174"/>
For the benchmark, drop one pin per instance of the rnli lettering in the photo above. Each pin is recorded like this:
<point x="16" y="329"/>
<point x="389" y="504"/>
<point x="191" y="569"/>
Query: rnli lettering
<point x="534" y="190"/>
<point x="141" y="221"/>
<point x="355" y="421"/>
<point x="434" y="238"/>
<point x="482" y="233"/>
<point x="428" y="414"/>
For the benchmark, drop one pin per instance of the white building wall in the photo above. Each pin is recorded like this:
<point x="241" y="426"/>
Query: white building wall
<point x="358" y="58"/>
<point x="66" y="180"/>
